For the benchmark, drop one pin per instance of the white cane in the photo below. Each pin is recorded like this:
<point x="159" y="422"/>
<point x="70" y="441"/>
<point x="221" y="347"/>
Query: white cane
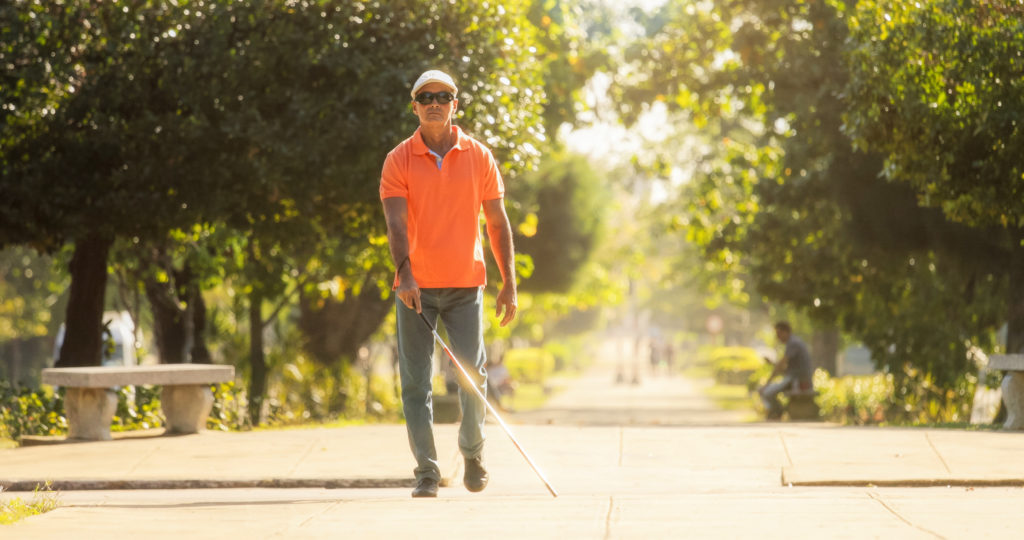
<point x="490" y="408"/>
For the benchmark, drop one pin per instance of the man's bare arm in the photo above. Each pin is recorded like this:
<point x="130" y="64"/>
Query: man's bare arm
<point x="396" y="213"/>
<point x="499" y="231"/>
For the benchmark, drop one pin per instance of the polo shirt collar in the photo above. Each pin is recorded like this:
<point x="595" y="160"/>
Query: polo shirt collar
<point x="420" y="147"/>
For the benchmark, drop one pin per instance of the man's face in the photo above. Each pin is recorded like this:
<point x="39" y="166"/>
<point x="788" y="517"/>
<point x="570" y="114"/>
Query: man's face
<point x="781" y="335"/>
<point x="434" y="113"/>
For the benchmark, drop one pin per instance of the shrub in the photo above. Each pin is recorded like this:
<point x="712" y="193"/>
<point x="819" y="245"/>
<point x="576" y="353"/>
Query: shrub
<point x="27" y="411"/>
<point x="230" y="408"/>
<point x="735" y="365"/>
<point x="853" y="399"/>
<point x="138" y="407"/>
<point x="307" y="392"/>
<point x="883" y="398"/>
<point x="529" y="365"/>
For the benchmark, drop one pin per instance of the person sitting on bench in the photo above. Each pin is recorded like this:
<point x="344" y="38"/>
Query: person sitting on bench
<point x="795" y="367"/>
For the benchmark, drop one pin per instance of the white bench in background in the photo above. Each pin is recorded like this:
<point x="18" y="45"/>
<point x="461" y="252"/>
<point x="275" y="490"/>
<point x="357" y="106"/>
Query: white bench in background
<point x="90" y="401"/>
<point x="1013" y="387"/>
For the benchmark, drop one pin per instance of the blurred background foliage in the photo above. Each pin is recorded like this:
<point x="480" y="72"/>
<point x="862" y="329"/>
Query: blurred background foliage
<point x="211" y="168"/>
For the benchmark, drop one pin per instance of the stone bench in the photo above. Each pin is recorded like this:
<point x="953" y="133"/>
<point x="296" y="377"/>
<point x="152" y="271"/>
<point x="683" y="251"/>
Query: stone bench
<point x="802" y="404"/>
<point x="1013" y="387"/>
<point x="90" y="402"/>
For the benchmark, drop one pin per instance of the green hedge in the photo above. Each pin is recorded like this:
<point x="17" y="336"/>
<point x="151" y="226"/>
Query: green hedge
<point x="530" y="365"/>
<point x="735" y="365"/>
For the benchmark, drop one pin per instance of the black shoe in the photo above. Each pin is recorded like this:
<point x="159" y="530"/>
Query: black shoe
<point x="427" y="487"/>
<point x="475" y="478"/>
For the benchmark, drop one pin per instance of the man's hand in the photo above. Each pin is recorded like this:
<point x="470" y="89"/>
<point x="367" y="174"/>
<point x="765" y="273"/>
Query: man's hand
<point x="506" y="302"/>
<point x="408" y="292"/>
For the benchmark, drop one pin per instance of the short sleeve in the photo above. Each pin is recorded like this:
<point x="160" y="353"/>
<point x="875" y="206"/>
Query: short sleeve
<point x="393" y="182"/>
<point x="493" y="187"/>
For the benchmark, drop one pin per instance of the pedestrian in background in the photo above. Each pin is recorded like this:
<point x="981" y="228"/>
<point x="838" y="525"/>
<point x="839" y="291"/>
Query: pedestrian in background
<point x="795" y="368"/>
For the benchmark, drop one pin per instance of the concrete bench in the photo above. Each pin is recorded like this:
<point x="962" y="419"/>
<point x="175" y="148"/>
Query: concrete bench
<point x="801" y="404"/>
<point x="1013" y="387"/>
<point x="90" y="402"/>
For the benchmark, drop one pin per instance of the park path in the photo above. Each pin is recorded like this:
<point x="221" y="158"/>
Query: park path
<point x="598" y="397"/>
<point x="654" y="460"/>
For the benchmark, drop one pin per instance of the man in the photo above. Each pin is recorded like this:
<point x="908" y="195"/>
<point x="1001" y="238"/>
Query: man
<point x="795" y="366"/>
<point x="433" y="187"/>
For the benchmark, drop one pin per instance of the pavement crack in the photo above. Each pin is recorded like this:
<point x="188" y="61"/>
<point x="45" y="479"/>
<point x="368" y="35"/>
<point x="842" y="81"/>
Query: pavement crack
<point x="785" y="449"/>
<point x="928" y="438"/>
<point x="309" y="450"/>
<point x="879" y="500"/>
<point x="320" y="513"/>
<point x="142" y="459"/>
<point x="608" y="518"/>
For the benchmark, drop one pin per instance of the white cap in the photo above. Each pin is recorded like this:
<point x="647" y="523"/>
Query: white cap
<point x="434" y="75"/>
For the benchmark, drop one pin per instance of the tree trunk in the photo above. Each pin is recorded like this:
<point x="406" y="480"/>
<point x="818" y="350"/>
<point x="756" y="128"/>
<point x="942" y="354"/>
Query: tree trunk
<point x="825" y="348"/>
<point x="14" y="363"/>
<point x="335" y="330"/>
<point x="1015" y="318"/>
<point x="83" y="334"/>
<point x="200" y="353"/>
<point x="169" y="330"/>
<point x="257" y="363"/>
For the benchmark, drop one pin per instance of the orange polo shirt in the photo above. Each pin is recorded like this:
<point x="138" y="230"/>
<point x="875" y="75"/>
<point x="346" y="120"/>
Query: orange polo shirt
<point x="445" y="246"/>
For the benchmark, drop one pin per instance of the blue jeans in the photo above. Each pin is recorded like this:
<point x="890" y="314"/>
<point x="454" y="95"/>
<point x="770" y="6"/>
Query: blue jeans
<point x="770" y="394"/>
<point x="461" y="310"/>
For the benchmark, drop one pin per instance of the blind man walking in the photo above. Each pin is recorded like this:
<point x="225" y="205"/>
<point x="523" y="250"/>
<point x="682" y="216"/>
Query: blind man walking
<point x="433" y="187"/>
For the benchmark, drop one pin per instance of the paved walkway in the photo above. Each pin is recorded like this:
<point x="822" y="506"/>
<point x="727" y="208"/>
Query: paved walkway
<point x="652" y="471"/>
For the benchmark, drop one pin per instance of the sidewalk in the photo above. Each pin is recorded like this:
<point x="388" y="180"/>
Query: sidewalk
<point x="351" y="457"/>
<point x="761" y="455"/>
<point x="652" y="473"/>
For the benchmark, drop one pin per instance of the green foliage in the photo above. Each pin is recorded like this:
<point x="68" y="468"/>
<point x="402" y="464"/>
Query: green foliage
<point x="574" y="37"/>
<point x="936" y="86"/>
<point x="25" y="411"/>
<point x="229" y="408"/>
<point x="786" y="208"/>
<point x="859" y="400"/>
<point x="249" y="133"/>
<point x="567" y="201"/>
<point x="307" y="393"/>
<point x="40" y="412"/>
<point x="530" y="365"/>
<point x="735" y="365"/>
<point x="32" y="289"/>
<point x="884" y="399"/>
<point x="43" y="500"/>
<point x="138" y="407"/>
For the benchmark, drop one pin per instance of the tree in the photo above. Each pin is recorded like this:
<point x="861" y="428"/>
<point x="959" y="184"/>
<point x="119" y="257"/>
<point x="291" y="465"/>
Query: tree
<point x="32" y="288"/>
<point x="88" y="114"/>
<point x="561" y="233"/>
<point x="936" y="88"/>
<point x="262" y="119"/>
<point x="783" y="196"/>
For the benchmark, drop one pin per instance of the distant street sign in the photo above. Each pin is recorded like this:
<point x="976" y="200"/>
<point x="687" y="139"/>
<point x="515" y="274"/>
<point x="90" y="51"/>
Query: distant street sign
<point x="715" y="324"/>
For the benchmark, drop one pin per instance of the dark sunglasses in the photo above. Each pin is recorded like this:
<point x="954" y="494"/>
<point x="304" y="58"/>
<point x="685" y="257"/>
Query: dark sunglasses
<point x="426" y="98"/>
